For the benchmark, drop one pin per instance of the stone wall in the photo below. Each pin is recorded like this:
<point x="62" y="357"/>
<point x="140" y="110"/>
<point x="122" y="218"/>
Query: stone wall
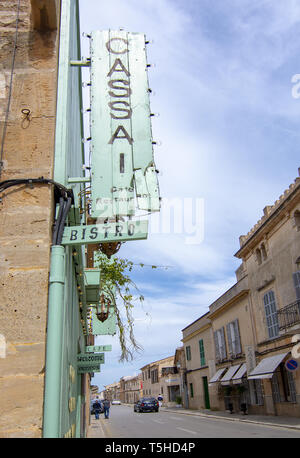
<point x="26" y="213"/>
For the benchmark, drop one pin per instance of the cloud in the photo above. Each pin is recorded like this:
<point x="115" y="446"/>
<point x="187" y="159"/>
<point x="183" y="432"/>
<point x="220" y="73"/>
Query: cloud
<point x="229" y="131"/>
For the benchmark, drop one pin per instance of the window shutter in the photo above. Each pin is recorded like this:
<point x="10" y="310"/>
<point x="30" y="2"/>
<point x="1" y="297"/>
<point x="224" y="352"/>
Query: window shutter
<point x="223" y="344"/>
<point x="237" y="339"/>
<point x="202" y="354"/>
<point x="296" y="278"/>
<point x="218" y="355"/>
<point x="271" y="314"/>
<point x="229" y="339"/>
<point x="275" y="388"/>
<point x="292" y="388"/>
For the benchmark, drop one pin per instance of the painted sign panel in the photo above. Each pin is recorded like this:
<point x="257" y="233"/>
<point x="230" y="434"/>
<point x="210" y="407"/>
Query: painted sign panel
<point x="91" y="358"/>
<point x="96" y="327"/>
<point x="82" y="369"/>
<point x="111" y="232"/>
<point x="120" y="123"/>
<point x="98" y="348"/>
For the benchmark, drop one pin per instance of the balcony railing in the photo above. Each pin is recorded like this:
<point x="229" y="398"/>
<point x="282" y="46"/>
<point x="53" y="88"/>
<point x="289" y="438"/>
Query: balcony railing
<point x="289" y="315"/>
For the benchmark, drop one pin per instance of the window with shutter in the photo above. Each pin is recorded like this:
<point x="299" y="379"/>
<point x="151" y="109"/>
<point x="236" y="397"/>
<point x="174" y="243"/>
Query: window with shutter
<point x="296" y="278"/>
<point x="229" y="339"/>
<point x="233" y="338"/>
<point x="275" y="388"/>
<point x="191" y="390"/>
<point x="217" y="350"/>
<point x="292" y="387"/>
<point x="271" y="314"/>
<point x="237" y="340"/>
<point x="258" y="392"/>
<point x="220" y="345"/>
<point x="202" y="354"/>
<point x="188" y="353"/>
<point x="223" y="344"/>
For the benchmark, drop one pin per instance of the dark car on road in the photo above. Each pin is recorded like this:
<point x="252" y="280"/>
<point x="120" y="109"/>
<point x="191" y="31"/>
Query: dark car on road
<point x="146" y="405"/>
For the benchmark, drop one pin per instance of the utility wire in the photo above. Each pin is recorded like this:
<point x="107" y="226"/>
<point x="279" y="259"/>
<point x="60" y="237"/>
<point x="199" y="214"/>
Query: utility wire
<point x="10" y="87"/>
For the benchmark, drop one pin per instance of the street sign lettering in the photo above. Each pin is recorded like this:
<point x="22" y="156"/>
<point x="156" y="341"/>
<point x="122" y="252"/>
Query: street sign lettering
<point x="84" y="368"/>
<point x="99" y="233"/>
<point x="98" y="348"/>
<point x="87" y="358"/>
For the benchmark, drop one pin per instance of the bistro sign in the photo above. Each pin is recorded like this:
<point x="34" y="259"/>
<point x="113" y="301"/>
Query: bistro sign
<point x="100" y="233"/>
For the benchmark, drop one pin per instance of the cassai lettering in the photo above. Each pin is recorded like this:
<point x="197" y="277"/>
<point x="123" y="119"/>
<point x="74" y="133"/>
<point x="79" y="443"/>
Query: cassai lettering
<point x="119" y="89"/>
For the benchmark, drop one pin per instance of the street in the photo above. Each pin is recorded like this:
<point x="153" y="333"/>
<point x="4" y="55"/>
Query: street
<point x="125" y="423"/>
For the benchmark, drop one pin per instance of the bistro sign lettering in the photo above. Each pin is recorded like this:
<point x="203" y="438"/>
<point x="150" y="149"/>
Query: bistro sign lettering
<point x="99" y="233"/>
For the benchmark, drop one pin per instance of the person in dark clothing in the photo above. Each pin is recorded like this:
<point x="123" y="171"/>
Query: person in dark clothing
<point x="97" y="409"/>
<point x="106" y="405"/>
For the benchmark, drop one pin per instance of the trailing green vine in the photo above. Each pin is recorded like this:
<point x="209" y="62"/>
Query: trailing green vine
<point x="116" y="284"/>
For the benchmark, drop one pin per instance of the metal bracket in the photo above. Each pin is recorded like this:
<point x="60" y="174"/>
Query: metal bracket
<point x="80" y="63"/>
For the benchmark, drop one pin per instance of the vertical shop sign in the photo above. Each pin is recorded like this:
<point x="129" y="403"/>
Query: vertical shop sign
<point x="122" y="161"/>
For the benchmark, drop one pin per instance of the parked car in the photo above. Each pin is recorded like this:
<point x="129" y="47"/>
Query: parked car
<point x="146" y="405"/>
<point x="116" y="402"/>
<point x="92" y="406"/>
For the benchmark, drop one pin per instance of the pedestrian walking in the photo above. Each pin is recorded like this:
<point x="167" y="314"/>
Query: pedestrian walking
<point x="106" y="405"/>
<point x="97" y="409"/>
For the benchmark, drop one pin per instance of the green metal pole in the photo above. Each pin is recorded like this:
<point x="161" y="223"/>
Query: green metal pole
<point x="52" y="393"/>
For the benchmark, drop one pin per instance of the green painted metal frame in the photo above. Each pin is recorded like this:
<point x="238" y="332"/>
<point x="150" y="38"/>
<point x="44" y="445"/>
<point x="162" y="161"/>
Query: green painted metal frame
<point x="52" y="406"/>
<point x="68" y="303"/>
<point x="62" y="397"/>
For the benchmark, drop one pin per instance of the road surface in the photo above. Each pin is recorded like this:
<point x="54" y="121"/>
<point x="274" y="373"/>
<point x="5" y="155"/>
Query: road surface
<point x="125" y="423"/>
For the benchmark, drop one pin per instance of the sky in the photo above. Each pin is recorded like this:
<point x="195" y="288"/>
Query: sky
<point x="224" y="84"/>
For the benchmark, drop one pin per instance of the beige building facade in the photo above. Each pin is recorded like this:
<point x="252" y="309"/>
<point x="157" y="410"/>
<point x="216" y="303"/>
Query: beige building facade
<point x="236" y="353"/>
<point x="28" y="78"/>
<point x="130" y="388"/>
<point x="112" y="391"/>
<point x="161" y="378"/>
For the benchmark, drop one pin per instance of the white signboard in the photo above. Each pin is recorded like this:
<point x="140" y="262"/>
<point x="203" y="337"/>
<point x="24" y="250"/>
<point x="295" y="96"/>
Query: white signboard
<point x="121" y="138"/>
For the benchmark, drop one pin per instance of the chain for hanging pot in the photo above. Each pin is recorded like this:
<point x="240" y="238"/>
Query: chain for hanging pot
<point x="110" y="248"/>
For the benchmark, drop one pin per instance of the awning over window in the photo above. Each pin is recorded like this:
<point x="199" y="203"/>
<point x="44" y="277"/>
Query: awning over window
<point x="237" y="378"/>
<point x="267" y="367"/>
<point x="225" y="380"/>
<point x="217" y="375"/>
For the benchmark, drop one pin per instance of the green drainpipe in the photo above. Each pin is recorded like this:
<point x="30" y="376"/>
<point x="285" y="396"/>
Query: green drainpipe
<point x="52" y="393"/>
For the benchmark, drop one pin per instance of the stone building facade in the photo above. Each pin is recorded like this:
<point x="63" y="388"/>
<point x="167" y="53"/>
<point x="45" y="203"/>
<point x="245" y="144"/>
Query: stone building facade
<point x="28" y="81"/>
<point x="236" y="352"/>
<point x="161" y="378"/>
<point x="130" y="388"/>
<point x="41" y="139"/>
<point x="112" y="391"/>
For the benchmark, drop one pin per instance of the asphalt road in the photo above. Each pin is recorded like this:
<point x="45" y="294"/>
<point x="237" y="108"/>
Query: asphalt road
<point x="125" y="423"/>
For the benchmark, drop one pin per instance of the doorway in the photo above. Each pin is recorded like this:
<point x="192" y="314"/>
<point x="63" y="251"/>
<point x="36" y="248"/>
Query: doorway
<point x="206" y="392"/>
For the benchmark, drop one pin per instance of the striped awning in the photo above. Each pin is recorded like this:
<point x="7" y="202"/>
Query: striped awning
<point x="237" y="378"/>
<point x="217" y="375"/>
<point x="225" y="380"/>
<point x="267" y="367"/>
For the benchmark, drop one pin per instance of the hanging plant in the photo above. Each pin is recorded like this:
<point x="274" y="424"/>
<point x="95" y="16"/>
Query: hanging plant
<point x="116" y="284"/>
